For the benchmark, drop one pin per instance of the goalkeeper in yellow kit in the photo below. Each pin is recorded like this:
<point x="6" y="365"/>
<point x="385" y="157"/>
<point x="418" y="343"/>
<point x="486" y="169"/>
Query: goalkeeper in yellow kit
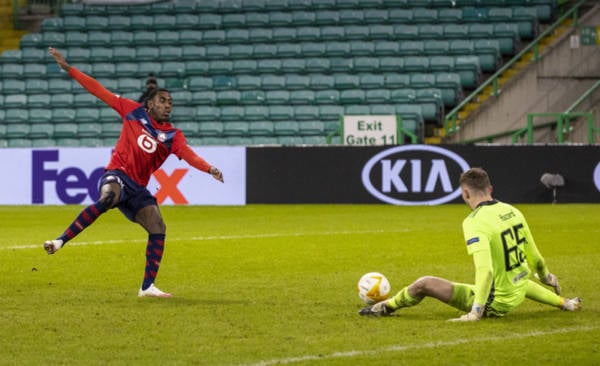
<point x="504" y="253"/>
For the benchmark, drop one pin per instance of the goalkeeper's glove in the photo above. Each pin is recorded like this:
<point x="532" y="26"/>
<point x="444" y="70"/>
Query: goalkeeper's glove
<point x="550" y="280"/>
<point x="474" y="315"/>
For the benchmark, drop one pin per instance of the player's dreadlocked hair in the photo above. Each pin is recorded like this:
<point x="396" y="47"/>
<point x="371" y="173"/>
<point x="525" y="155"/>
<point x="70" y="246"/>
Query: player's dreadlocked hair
<point x="151" y="94"/>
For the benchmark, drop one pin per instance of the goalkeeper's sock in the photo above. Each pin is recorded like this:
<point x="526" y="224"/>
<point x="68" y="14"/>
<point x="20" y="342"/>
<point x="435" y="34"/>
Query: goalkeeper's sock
<point x="85" y="218"/>
<point x="541" y="294"/>
<point x="403" y="299"/>
<point x="154" y="253"/>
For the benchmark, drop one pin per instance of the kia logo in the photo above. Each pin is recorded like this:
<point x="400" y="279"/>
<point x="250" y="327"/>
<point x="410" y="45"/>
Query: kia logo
<point x="414" y="175"/>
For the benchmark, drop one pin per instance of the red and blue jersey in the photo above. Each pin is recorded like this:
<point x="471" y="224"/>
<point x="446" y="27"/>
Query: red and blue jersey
<point x="144" y="144"/>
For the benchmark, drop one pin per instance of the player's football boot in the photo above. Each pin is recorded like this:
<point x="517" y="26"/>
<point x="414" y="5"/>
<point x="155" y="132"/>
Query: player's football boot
<point x="379" y="309"/>
<point x="153" y="291"/>
<point x="573" y="304"/>
<point x="52" y="246"/>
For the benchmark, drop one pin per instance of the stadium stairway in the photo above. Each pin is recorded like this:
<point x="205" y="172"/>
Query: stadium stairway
<point x="9" y="37"/>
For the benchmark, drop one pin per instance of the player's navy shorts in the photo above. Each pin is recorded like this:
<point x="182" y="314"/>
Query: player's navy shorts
<point x="133" y="196"/>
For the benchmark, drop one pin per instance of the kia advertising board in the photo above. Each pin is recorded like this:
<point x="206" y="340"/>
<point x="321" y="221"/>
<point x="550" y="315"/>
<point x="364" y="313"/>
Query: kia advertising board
<point x="71" y="175"/>
<point x="417" y="174"/>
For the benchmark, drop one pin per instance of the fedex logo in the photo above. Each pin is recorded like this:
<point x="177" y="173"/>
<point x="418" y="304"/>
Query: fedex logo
<point x="73" y="185"/>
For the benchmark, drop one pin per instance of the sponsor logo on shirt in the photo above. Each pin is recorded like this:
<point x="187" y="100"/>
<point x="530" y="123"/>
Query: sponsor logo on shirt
<point x="473" y="240"/>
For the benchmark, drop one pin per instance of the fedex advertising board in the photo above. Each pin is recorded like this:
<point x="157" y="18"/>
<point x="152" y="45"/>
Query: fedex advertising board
<point x="70" y="176"/>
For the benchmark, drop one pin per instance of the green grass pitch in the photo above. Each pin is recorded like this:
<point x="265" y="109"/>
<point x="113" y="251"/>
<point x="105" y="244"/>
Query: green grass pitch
<point x="276" y="284"/>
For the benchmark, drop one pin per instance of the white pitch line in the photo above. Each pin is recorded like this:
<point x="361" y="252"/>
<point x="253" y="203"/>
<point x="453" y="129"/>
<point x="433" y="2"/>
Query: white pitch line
<point x="402" y="348"/>
<point x="219" y="237"/>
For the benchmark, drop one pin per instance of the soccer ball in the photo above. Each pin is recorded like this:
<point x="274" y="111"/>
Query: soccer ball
<point x="373" y="287"/>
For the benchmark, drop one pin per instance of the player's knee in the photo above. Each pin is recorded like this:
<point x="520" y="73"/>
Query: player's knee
<point x="423" y="285"/>
<point x="108" y="199"/>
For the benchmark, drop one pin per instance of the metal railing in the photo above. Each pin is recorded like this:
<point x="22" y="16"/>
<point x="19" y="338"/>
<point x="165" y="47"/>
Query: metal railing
<point x="450" y="122"/>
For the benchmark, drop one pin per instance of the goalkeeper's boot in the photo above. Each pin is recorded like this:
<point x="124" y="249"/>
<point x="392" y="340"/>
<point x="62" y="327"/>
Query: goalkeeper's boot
<point x="153" y="291"/>
<point x="573" y="304"/>
<point x="52" y="246"/>
<point x="379" y="309"/>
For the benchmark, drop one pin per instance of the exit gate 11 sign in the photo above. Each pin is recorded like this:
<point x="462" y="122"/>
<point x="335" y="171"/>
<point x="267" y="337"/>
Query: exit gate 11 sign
<point x="370" y="130"/>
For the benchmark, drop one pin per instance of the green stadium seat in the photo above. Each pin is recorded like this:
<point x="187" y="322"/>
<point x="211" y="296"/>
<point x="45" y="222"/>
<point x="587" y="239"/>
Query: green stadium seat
<point x="306" y="112"/>
<point x="122" y="69"/>
<point x="12" y="70"/>
<point x="189" y="128"/>
<point x="189" y="36"/>
<point x="87" y="115"/>
<point x="111" y="129"/>
<point x="281" y="112"/>
<point x="96" y="22"/>
<point x="207" y="113"/>
<point x="33" y="54"/>
<point x="366" y="64"/>
<point x="289" y="50"/>
<point x="330" y="112"/>
<point x="89" y="129"/>
<point x="78" y="54"/>
<point x="499" y="14"/>
<point x="144" y="38"/>
<point x="272" y="81"/>
<point x="280" y="19"/>
<point x="124" y="54"/>
<point x="98" y="39"/>
<point x="15" y="101"/>
<point x="327" y="96"/>
<point x="391" y="63"/>
<point x="317" y="64"/>
<point x="290" y="140"/>
<point x="346" y="81"/>
<point x="377" y="96"/>
<point x="232" y="113"/>
<point x="352" y="96"/>
<point x="193" y="53"/>
<point x="76" y="39"/>
<point x="63" y="115"/>
<point x="314" y="127"/>
<point x="286" y="128"/>
<point x="84" y="100"/>
<point x="31" y="40"/>
<point x="425" y="15"/>
<point x="121" y="38"/>
<point x="474" y="14"/>
<point x="450" y="15"/>
<point x="256" y="112"/>
<point x="228" y="97"/>
<point x="210" y="129"/>
<point x="168" y="37"/>
<point x="217" y="52"/>
<point x="119" y="22"/>
<point x="212" y="21"/>
<point x="461" y="47"/>
<point x="40" y="115"/>
<point x="70" y="22"/>
<point x="458" y="31"/>
<point x="19" y="142"/>
<point x="397" y="80"/>
<point x="34" y="85"/>
<point x="434" y="31"/>
<point x="416" y="63"/>
<point x="16" y="131"/>
<point x="56" y="39"/>
<point x="277" y="96"/>
<point x="147" y="53"/>
<point x="253" y="96"/>
<point x="101" y="54"/>
<point x="441" y="63"/>
<point x="11" y="56"/>
<point x="261" y="128"/>
<point x="43" y="142"/>
<point x="204" y="97"/>
<point x="235" y="20"/>
<point x="295" y="81"/>
<point x="469" y="70"/>
<point x="488" y="51"/>
<point x="103" y="69"/>
<point x="43" y="100"/>
<point x="403" y="96"/>
<point x="411" y="48"/>
<point x="254" y="19"/>
<point x="200" y="83"/>
<point x="235" y="128"/>
<point x="333" y="33"/>
<point x="269" y="66"/>
<point x="16" y="115"/>
<point x="62" y="130"/>
<point x="91" y="142"/>
<point x="163" y="21"/>
<point x="382" y="109"/>
<point x="236" y="35"/>
<point x="67" y="141"/>
<point x="302" y="97"/>
<point x="107" y="115"/>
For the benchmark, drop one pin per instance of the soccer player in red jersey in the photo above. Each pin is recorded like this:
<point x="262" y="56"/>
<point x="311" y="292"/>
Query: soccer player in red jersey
<point x="147" y="139"/>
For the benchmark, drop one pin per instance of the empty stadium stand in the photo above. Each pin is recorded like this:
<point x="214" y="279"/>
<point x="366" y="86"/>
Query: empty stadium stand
<point x="260" y="71"/>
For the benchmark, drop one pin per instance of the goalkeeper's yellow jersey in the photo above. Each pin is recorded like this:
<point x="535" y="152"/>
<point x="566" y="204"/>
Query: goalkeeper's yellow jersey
<point x="502" y="230"/>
